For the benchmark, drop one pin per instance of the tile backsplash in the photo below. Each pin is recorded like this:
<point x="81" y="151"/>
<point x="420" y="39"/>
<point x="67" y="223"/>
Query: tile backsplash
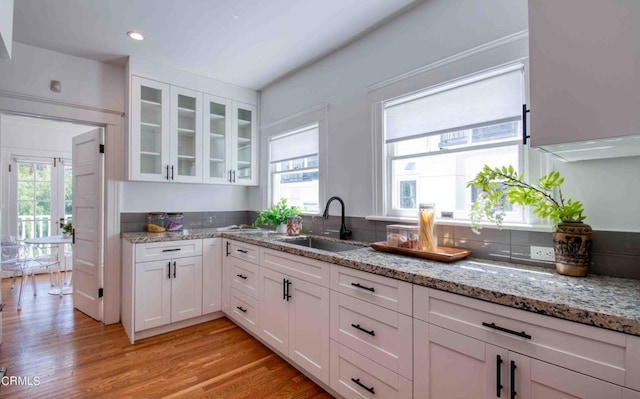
<point x="615" y="254"/>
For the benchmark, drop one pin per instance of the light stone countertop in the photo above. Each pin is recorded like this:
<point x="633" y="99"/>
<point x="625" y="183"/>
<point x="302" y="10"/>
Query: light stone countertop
<point x="606" y="302"/>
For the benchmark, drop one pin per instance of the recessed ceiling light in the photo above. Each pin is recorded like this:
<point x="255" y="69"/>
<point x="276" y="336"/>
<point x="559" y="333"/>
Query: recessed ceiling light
<point x="135" y="35"/>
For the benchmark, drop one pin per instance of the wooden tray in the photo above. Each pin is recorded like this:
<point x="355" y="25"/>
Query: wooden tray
<point x="444" y="254"/>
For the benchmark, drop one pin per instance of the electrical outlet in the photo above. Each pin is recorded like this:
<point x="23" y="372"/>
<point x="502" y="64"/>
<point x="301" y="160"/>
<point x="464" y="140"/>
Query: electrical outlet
<point x="542" y="253"/>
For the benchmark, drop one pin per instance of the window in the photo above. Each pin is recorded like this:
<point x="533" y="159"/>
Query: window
<point x="437" y="140"/>
<point x="293" y="159"/>
<point x="42" y="196"/>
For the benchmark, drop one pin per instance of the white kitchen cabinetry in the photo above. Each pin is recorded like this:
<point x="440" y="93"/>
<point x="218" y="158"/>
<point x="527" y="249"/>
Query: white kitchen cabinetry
<point x="211" y="275"/>
<point x="469" y="348"/>
<point x="244" y="146"/>
<point x="240" y="284"/>
<point x="294" y="304"/>
<point x="584" y="70"/>
<point x="166" y="133"/>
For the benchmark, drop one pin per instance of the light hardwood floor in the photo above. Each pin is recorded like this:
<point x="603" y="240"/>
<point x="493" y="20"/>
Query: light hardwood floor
<point x="74" y="356"/>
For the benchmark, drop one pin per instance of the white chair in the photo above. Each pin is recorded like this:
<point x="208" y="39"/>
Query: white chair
<point x="46" y="257"/>
<point x="15" y="260"/>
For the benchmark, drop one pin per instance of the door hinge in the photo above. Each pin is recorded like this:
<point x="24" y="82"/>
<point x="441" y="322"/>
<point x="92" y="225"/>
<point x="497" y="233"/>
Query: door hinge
<point x="100" y="292"/>
<point x="101" y="149"/>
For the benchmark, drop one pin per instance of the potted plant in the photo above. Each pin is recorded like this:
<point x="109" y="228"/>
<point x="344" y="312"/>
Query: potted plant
<point x="277" y="215"/>
<point x="572" y="239"/>
<point x="67" y="228"/>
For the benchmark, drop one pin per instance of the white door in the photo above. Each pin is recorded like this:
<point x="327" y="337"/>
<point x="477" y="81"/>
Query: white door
<point x="274" y="328"/>
<point x="152" y="294"/>
<point x="186" y="288"/>
<point x="87" y="222"/>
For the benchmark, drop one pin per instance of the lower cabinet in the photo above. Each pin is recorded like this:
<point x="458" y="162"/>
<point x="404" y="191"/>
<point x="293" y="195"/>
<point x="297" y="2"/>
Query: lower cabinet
<point x="167" y="291"/>
<point x="211" y="275"/>
<point x="296" y="320"/>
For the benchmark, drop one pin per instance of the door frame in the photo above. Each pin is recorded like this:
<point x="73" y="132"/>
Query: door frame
<point x="113" y="123"/>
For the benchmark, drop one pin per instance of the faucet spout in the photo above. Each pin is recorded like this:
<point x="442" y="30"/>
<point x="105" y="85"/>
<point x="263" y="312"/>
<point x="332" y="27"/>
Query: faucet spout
<point x="344" y="233"/>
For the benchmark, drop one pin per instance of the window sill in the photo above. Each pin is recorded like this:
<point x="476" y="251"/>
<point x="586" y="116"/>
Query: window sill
<point x="545" y="228"/>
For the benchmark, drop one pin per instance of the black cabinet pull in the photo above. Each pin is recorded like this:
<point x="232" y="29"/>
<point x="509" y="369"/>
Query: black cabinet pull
<point x="240" y="308"/>
<point x="370" y="332"/>
<point x="169" y="270"/>
<point x="243" y="251"/>
<point x="171" y="250"/>
<point x="171" y="172"/>
<point x="363" y="287"/>
<point x="228" y="244"/>
<point x="234" y="176"/>
<point x="519" y="334"/>
<point x="242" y="276"/>
<point x="284" y="289"/>
<point x="513" y="380"/>
<point x="167" y="171"/>
<point x="357" y="381"/>
<point x="174" y="269"/>
<point x="498" y="377"/>
<point x="525" y="136"/>
<point x="288" y="296"/>
<point x="229" y="176"/>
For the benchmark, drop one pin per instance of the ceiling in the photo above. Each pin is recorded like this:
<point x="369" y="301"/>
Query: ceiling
<point x="249" y="43"/>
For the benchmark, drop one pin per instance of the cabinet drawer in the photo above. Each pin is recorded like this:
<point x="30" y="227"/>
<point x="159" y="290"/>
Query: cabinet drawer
<point x="382" y="335"/>
<point x="168" y="250"/>
<point x="244" y="310"/>
<point x="589" y="350"/>
<point x="311" y="270"/>
<point x="243" y="251"/>
<point x="355" y="376"/>
<point x="244" y="276"/>
<point x="384" y="291"/>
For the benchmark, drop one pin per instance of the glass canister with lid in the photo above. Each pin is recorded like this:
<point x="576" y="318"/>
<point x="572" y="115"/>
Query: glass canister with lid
<point x="427" y="233"/>
<point x="156" y="221"/>
<point x="174" y="221"/>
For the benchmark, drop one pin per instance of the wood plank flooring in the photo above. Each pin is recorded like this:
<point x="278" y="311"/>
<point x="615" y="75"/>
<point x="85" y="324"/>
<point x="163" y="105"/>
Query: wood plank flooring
<point x="74" y="356"/>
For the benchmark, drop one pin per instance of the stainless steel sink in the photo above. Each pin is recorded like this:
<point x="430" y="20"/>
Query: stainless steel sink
<point x="319" y="243"/>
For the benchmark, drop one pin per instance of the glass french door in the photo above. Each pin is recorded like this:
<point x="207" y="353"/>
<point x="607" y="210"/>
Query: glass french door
<point x="41" y="196"/>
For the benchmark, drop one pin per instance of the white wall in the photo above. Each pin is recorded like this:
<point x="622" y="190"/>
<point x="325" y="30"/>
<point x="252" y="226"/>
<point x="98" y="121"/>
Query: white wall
<point x="432" y="31"/>
<point x="84" y="82"/>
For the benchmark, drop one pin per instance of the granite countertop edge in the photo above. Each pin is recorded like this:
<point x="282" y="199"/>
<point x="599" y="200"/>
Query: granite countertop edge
<point x="592" y="300"/>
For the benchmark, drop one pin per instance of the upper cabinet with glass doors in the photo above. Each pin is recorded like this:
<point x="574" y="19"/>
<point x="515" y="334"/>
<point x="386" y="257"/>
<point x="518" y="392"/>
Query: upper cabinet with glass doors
<point x="166" y="133"/>
<point x="230" y="142"/>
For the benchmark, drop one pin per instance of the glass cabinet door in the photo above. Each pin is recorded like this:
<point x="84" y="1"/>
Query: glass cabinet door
<point x="245" y="146"/>
<point x="217" y="124"/>
<point x="185" y="136"/>
<point x="150" y="116"/>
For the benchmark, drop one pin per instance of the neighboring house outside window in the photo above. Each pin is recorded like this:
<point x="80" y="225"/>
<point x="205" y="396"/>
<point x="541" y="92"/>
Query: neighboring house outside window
<point x="436" y="140"/>
<point x="294" y="168"/>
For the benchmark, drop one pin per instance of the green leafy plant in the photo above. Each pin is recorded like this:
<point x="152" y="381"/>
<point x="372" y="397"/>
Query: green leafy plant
<point x="499" y="186"/>
<point x="67" y="228"/>
<point x="277" y="214"/>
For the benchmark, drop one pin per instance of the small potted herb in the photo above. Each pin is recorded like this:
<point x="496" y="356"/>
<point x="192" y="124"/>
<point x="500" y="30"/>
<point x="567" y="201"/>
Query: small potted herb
<point x="572" y="239"/>
<point x="277" y="215"/>
<point x="67" y="228"/>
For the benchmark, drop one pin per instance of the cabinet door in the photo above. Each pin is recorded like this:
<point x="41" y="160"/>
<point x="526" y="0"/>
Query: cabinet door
<point x="211" y="275"/>
<point x="539" y="380"/>
<point x="186" y="136"/>
<point x="309" y="327"/>
<point x="217" y="135"/>
<point x="585" y="72"/>
<point x="226" y="276"/>
<point x="449" y="365"/>
<point x="186" y="288"/>
<point x="149" y="140"/>
<point x="245" y="145"/>
<point x="274" y="327"/>
<point x="152" y="294"/>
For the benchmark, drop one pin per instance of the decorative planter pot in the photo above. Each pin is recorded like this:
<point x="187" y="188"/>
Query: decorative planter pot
<point x="281" y="229"/>
<point x="572" y="247"/>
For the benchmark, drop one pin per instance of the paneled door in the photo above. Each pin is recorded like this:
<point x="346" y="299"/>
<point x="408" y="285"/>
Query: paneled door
<point x="87" y="222"/>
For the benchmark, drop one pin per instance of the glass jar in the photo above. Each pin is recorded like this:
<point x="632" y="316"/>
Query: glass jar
<point x="402" y="236"/>
<point x="427" y="232"/>
<point x="294" y="225"/>
<point x="174" y="221"/>
<point x="156" y="221"/>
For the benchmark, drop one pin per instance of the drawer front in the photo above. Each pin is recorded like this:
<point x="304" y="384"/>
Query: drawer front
<point x="247" y="252"/>
<point x="153" y="251"/>
<point x="382" y="335"/>
<point x="355" y="376"/>
<point x="384" y="291"/>
<point x="311" y="270"/>
<point x="244" y="310"/>
<point x="244" y="276"/>
<point x="589" y="350"/>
